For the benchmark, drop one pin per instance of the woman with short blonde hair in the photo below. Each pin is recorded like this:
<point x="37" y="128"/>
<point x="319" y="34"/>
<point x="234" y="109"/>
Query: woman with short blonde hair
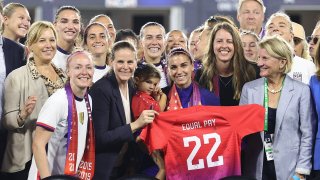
<point x="26" y="89"/>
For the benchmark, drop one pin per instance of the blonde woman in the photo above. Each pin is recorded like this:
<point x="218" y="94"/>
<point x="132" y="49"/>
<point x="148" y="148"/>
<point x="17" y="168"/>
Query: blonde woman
<point x="26" y="90"/>
<point x="284" y="149"/>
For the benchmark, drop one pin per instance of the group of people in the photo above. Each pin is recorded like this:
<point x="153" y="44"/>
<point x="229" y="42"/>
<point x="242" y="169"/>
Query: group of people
<point x="74" y="102"/>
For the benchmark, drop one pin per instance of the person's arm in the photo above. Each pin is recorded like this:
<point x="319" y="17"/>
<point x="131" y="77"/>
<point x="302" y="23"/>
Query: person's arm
<point x="161" y="97"/>
<point x="244" y="95"/>
<point x="14" y="117"/>
<point x="40" y="140"/>
<point x="307" y="130"/>
<point x="27" y="109"/>
<point x="163" y="102"/>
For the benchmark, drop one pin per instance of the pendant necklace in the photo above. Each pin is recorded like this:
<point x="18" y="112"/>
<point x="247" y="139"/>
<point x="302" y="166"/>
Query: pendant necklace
<point x="224" y="83"/>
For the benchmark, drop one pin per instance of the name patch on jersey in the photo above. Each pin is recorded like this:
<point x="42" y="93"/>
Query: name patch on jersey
<point x="198" y="124"/>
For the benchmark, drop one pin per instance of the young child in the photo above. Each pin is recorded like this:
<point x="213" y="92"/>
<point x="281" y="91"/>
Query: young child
<point x="149" y="96"/>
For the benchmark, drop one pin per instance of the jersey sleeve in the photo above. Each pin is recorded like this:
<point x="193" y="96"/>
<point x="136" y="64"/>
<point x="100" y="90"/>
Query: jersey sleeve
<point x="156" y="135"/>
<point x="53" y="110"/>
<point x="249" y="119"/>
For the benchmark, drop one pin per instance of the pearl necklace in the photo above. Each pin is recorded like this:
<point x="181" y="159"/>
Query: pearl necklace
<point x="273" y="91"/>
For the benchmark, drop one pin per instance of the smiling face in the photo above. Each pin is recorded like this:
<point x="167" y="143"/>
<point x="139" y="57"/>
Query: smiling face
<point x="251" y="16"/>
<point x="67" y="26"/>
<point x="280" y="26"/>
<point x="176" y="39"/>
<point x="153" y="43"/>
<point x="97" y="41"/>
<point x="45" y="47"/>
<point x="17" y="25"/>
<point x="269" y="66"/>
<point x="223" y="46"/>
<point x="80" y="71"/>
<point x="124" y="64"/>
<point x="180" y="70"/>
<point x="250" y="47"/>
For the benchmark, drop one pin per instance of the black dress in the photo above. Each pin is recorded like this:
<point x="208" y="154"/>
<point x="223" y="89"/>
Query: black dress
<point x="269" y="172"/>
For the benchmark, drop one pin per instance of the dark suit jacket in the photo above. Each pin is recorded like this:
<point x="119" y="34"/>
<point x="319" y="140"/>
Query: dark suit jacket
<point x="14" y="55"/>
<point x="111" y="130"/>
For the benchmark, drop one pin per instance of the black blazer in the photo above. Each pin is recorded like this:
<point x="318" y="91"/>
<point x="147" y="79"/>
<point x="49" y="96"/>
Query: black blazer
<point x="111" y="130"/>
<point x="14" y="55"/>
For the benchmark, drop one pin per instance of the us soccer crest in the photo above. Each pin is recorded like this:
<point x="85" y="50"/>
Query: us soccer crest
<point x="81" y="117"/>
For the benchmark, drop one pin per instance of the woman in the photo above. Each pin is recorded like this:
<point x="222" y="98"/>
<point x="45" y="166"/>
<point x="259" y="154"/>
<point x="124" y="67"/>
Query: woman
<point x="108" y="23"/>
<point x="315" y="91"/>
<point x="65" y="126"/>
<point x="250" y="45"/>
<point x="225" y="69"/>
<point x="174" y="39"/>
<point x="16" y="21"/>
<point x="111" y="99"/>
<point x="184" y="92"/>
<point x="26" y="90"/>
<point x="192" y="41"/>
<point x="96" y="39"/>
<point x="129" y="35"/>
<point x="284" y="149"/>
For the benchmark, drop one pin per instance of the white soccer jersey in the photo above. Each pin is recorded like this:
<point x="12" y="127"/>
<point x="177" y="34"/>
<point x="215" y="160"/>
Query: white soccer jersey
<point x="53" y="117"/>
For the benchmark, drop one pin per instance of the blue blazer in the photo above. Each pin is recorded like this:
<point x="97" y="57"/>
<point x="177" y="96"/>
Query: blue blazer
<point x="315" y="91"/>
<point x="111" y="130"/>
<point x="14" y="55"/>
<point x="294" y="131"/>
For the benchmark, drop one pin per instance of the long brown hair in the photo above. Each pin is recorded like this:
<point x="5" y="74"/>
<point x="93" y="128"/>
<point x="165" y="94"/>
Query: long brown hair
<point x="242" y="70"/>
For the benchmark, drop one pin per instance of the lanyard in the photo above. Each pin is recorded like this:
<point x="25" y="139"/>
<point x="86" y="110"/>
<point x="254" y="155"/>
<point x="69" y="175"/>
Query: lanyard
<point x="266" y="102"/>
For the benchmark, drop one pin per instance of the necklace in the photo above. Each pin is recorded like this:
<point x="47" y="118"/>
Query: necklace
<point x="225" y="84"/>
<point x="273" y="91"/>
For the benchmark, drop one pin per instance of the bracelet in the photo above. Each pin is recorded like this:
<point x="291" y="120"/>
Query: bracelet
<point x="19" y="116"/>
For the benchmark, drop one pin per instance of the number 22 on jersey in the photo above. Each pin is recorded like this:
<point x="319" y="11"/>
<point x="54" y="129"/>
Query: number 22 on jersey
<point x="206" y="140"/>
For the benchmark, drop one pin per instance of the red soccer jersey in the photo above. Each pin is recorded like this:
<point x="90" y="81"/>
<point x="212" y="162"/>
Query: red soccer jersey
<point x="142" y="101"/>
<point x="203" y="142"/>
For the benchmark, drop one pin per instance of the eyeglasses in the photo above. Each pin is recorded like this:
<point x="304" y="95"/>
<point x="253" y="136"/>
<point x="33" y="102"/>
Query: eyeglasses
<point x="314" y="39"/>
<point x="297" y="41"/>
